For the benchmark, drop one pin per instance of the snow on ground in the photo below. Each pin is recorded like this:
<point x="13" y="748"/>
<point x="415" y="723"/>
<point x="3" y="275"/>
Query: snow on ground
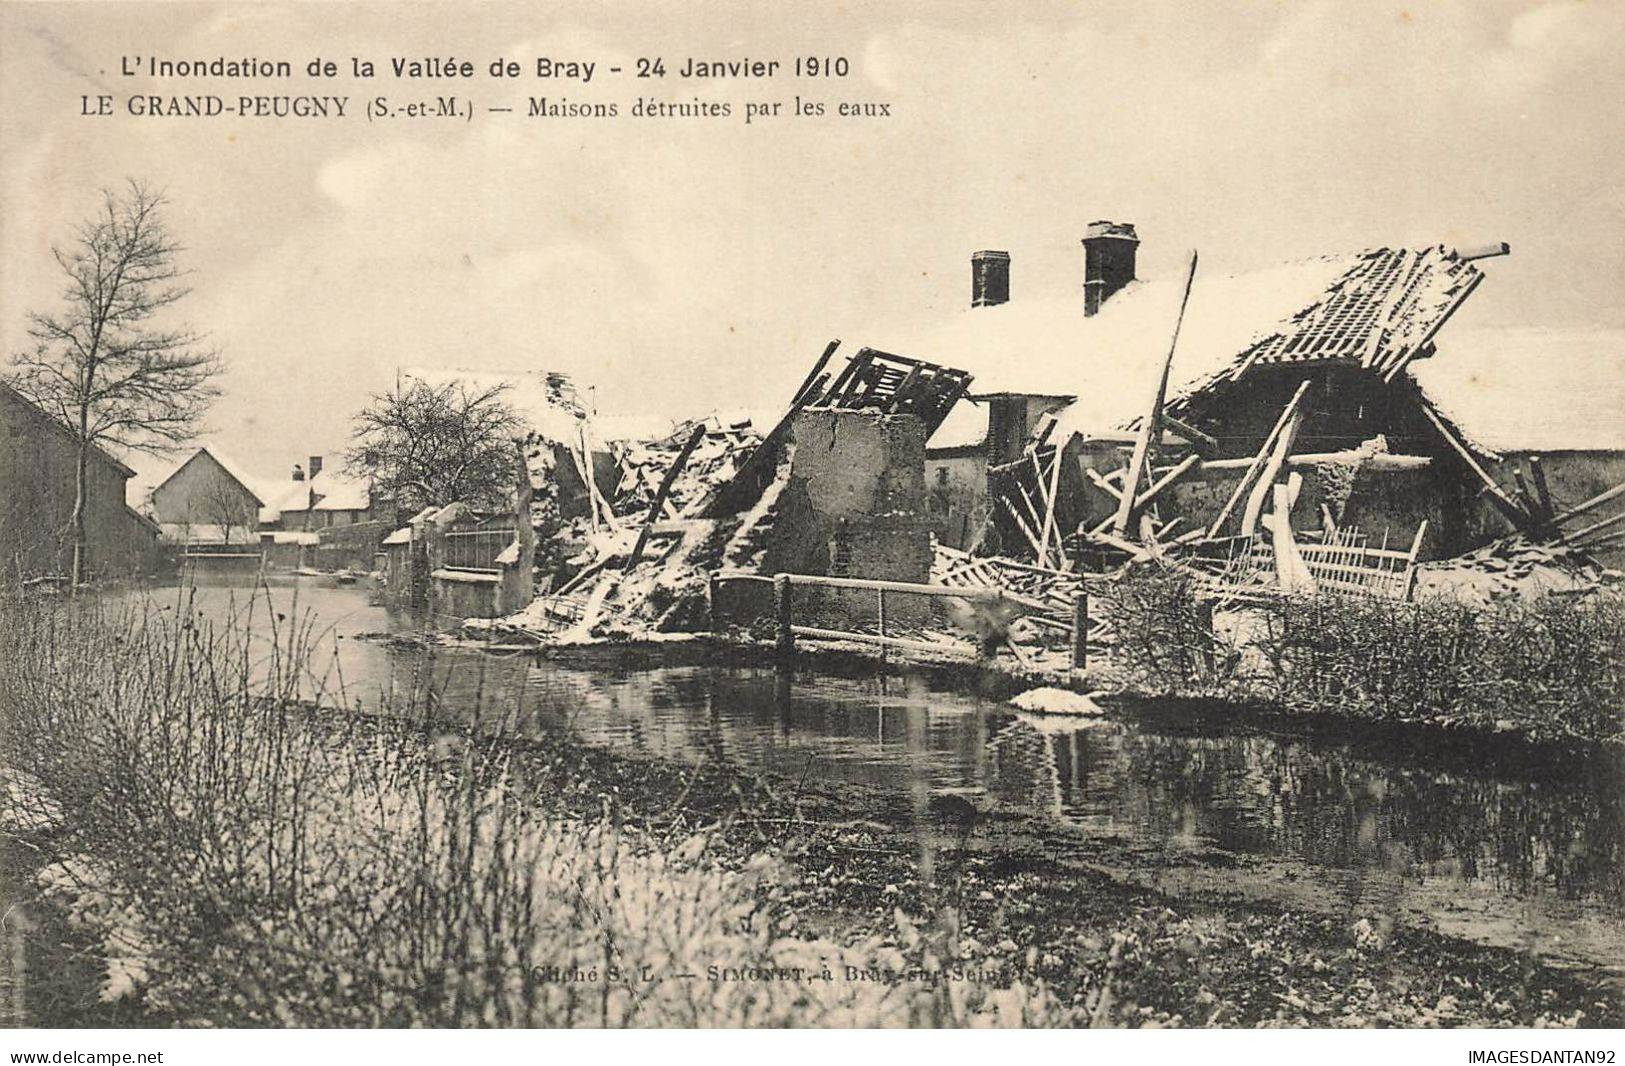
<point x="1058" y="701"/>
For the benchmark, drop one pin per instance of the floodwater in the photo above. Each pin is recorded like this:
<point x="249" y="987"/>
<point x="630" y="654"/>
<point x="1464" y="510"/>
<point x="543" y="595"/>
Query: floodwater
<point x="1500" y="850"/>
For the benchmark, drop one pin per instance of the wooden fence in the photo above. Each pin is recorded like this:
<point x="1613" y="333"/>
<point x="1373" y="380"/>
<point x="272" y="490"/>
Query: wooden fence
<point x="1343" y="561"/>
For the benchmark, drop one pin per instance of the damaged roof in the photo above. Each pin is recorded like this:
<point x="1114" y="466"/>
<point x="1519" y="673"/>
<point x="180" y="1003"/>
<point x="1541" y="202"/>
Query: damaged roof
<point x="1378" y="308"/>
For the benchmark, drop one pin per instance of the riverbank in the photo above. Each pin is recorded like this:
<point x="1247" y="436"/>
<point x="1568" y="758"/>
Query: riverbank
<point x="1253" y="699"/>
<point x="991" y="896"/>
<point x="338" y="868"/>
<point x="1022" y="896"/>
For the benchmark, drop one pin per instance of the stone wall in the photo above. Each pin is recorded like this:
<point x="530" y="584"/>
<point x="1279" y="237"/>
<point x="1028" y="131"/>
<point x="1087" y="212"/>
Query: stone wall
<point x="855" y="507"/>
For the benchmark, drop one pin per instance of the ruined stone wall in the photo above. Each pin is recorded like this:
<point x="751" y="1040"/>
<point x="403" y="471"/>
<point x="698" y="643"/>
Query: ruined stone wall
<point x="857" y="503"/>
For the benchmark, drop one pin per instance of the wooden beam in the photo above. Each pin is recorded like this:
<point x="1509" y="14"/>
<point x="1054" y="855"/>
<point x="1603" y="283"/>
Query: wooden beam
<point x="665" y="490"/>
<point x="1537" y="474"/>
<point x="1198" y="440"/>
<point x="1049" y="504"/>
<point x="1581" y="534"/>
<point x="1103" y="485"/>
<point x="1169" y="476"/>
<point x="1591" y="504"/>
<point x="1381" y="461"/>
<point x="1032" y="538"/>
<point x="811" y="379"/>
<point x="1167" y="479"/>
<point x="1266" y="477"/>
<point x="1257" y="461"/>
<point x="1514" y="514"/>
<point x="1151" y="425"/>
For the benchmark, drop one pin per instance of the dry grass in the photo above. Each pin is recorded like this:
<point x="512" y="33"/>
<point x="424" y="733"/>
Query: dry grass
<point x="252" y="859"/>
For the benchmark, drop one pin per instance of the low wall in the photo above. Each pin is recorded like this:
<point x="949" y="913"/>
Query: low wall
<point x="464" y="594"/>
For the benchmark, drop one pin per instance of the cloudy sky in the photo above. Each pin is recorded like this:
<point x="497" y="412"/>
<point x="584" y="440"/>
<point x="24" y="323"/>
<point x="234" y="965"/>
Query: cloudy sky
<point x="685" y="265"/>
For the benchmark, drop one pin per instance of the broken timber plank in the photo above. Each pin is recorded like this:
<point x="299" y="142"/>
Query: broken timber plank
<point x="1151" y="428"/>
<point x="664" y="491"/>
<point x="1049" y="504"/>
<point x="1266" y="478"/>
<point x="1252" y="468"/>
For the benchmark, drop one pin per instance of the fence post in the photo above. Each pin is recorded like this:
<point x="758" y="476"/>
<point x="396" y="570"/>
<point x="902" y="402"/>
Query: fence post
<point x="711" y="601"/>
<point x="784" y="609"/>
<point x="1204" y="634"/>
<point x="880" y="616"/>
<point x="1080" y="629"/>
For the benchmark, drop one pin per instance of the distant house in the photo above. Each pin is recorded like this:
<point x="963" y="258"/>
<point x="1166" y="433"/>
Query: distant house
<point x="325" y="519"/>
<point x="209" y="500"/>
<point x="319" y="499"/>
<point x="38" y="459"/>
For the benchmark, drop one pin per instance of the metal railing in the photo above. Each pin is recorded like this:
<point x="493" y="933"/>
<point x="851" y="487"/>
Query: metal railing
<point x="900" y="615"/>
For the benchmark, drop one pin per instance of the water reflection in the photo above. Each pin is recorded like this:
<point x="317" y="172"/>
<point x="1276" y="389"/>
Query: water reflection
<point x="1177" y="792"/>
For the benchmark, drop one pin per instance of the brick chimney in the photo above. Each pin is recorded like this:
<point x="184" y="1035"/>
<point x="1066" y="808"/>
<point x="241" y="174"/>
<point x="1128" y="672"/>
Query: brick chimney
<point x="989" y="278"/>
<point x="1108" y="261"/>
<point x="315" y="466"/>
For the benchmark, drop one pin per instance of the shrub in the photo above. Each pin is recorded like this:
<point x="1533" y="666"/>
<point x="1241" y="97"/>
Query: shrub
<point x="1549" y="668"/>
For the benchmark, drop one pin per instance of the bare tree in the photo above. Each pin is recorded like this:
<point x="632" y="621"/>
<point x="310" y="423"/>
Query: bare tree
<point x="223" y="504"/>
<point x="429" y="445"/>
<point x="102" y="364"/>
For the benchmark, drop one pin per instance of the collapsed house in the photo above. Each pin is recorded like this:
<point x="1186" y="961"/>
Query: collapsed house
<point x="835" y="486"/>
<point x="1309" y="373"/>
<point x="1266" y="431"/>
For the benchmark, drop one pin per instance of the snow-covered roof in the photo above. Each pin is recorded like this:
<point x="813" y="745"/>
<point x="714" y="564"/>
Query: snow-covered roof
<point x="400" y="536"/>
<point x="1047" y="346"/>
<point x="340" y="492"/>
<point x="547" y="402"/>
<point x="965" y="426"/>
<point x="1533" y="390"/>
<point x="1371" y="307"/>
<point x="334" y="491"/>
<point x="262" y="489"/>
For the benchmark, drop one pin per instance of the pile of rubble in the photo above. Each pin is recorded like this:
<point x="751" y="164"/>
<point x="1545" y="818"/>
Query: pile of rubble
<point x="639" y="563"/>
<point x="1515" y="568"/>
<point x="712" y="462"/>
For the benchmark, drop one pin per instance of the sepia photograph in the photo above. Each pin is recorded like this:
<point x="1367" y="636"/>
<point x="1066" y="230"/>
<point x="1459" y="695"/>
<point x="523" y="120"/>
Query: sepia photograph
<point x="1074" y="514"/>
